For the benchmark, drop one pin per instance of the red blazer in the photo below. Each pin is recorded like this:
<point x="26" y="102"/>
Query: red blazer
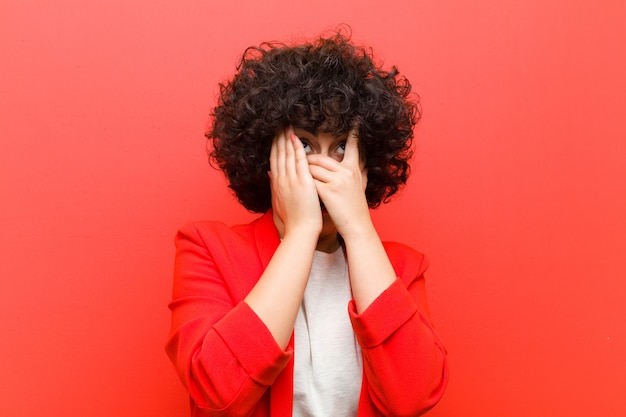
<point x="230" y="363"/>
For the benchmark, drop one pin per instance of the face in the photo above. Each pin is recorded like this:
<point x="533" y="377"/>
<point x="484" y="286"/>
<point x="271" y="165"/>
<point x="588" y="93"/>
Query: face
<point x="323" y="143"/>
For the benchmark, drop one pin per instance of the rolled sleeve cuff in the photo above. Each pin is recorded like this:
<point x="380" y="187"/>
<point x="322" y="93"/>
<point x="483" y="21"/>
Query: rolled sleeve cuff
<point x="387" y="313"/>
<point x="252" y="344"/>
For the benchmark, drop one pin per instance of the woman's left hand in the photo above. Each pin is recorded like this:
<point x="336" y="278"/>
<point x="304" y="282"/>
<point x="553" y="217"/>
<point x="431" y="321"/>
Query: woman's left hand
<point x="341" y="187"/>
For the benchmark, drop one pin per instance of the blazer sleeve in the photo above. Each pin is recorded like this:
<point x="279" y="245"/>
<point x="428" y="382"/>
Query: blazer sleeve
<point x="224" y="354"/>
<point x="405" y="368"/>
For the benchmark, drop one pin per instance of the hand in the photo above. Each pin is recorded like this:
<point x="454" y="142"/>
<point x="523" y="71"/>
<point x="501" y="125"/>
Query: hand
<point x="341" y="187"/>
<point x="294" y="197"/>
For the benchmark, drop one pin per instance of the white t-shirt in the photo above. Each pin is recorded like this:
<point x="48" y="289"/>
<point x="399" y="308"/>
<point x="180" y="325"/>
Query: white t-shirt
<point x="327" y="364"/>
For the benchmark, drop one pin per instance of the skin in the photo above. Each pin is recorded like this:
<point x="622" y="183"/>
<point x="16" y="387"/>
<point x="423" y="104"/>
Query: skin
<point x="307" y="168"/>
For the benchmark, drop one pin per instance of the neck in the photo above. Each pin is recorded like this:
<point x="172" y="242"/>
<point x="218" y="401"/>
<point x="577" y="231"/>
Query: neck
<point x="328" y="244"/>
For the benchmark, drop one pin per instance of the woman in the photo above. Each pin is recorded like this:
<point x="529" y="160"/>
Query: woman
<point x="305" y="311"/>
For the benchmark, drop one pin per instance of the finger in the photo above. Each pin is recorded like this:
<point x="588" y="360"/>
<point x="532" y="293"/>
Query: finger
<point x="274" y="155"/>
<point x="324" y="161"/>
<point x="290" y="153"/>
<point x="364" y="178"/>
<point x="281" y="152"/>
<point x="302" y="164"/>
<point x="351" y="156"/>
<point x="321" y="174"/>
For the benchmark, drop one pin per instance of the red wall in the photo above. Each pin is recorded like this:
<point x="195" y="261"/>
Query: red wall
<point x="518" y="192"/>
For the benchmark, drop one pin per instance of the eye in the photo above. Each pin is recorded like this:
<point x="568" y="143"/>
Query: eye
<point x="306" y="145"/>
<point x="341" y="148"/>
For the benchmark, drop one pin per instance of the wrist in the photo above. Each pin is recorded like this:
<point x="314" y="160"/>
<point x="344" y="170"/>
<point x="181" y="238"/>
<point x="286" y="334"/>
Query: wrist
<point x="303" y="231"/>
<point x="358" y="231"/>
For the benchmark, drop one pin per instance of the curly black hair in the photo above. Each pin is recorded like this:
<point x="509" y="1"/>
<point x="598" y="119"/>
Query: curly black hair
<point x="327" y="86"/>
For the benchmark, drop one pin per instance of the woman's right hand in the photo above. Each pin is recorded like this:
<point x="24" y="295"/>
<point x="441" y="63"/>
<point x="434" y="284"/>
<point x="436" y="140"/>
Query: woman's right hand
<point x="295" y="201"/>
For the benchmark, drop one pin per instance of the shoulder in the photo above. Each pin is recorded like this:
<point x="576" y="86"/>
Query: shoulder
<point x="215" y="234"/>
<point x="210" y="230"/>
<point x="406" y="260"/>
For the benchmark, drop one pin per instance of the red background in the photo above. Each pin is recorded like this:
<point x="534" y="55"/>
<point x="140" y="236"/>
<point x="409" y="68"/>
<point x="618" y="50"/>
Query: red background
<point x="518" y="192"/>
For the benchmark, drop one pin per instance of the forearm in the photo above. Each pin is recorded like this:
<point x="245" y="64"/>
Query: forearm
<point x="371" y="272"/>
<point x="277" y="295"/>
